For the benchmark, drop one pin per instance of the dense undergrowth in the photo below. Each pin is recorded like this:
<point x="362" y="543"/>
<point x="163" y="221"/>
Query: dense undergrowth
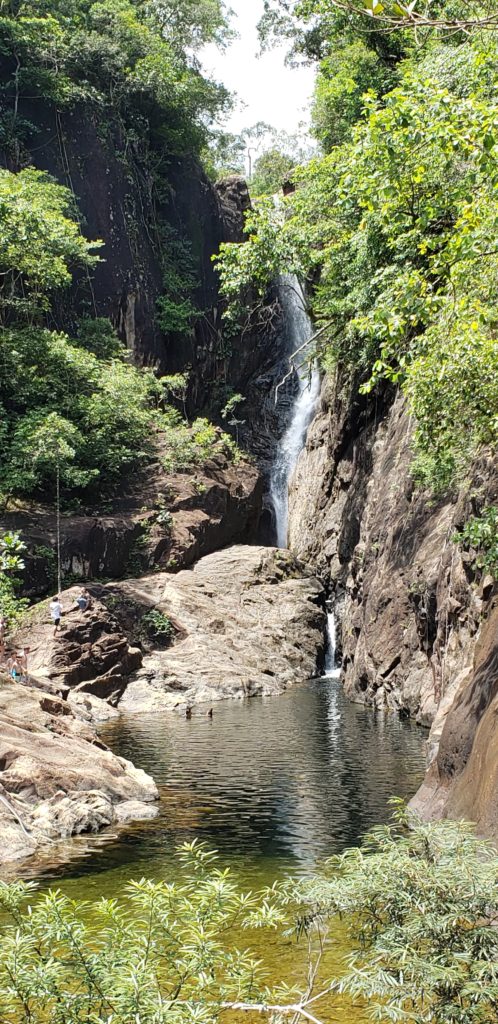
<point x="74" y="406"/>
<point x="395" y="224"/>
<point x="418" y="904"/>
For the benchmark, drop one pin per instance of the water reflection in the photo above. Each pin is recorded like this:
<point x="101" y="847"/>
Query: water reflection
<point x="274" y="784"/>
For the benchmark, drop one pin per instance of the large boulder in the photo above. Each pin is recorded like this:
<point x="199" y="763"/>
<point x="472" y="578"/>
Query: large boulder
<point x="56" y="778"/>
<point x="251" y="622"/>
<point x="90" y="654"/>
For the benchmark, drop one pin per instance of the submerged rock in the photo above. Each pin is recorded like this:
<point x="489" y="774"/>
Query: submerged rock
<point x="56" y="778"/>
<point x="252" y="623"/>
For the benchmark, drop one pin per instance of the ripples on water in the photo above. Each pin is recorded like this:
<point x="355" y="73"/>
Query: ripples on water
<point x="274" y="784"/>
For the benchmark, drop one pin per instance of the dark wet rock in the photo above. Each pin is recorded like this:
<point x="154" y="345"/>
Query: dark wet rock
<point x="159" y="518"/>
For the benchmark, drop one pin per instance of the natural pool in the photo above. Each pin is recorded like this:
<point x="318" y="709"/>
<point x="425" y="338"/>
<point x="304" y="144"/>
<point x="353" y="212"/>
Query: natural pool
<point x="275" y="785"/>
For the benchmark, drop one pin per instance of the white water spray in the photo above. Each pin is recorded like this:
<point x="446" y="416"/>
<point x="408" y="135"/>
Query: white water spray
<point x="298" y="328"/>
<point x="331" y="669"/>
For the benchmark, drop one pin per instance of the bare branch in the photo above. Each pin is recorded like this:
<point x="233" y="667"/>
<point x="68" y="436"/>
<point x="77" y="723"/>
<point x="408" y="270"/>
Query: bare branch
<point x="406" y="17"/>
<point x="292" y="356"/>
<point x="292" y="1008"/>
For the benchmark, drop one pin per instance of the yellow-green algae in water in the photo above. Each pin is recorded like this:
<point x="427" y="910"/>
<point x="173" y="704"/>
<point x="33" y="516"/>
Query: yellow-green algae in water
<point x="275" y="785"/>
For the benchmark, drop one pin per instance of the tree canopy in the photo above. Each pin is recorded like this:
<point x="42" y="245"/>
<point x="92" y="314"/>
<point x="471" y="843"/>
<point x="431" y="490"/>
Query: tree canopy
<point x="394" y="227"/>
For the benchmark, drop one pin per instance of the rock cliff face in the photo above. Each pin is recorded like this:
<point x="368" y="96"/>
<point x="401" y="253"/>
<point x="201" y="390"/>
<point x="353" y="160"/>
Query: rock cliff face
<point x="56" y="778"/>
<point x="86" y="149"/>
<point x="161" y="519"/>
<point x="413" y="617"/>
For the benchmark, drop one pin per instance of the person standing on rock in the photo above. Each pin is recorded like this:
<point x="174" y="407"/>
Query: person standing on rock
<point x="82" y="601"/>
<point x="56" y="612"/>
<point x="13" y="668"/>
<point x="23" y="662"/>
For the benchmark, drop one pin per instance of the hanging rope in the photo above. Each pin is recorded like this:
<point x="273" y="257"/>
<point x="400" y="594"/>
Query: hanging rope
<point x="58" y="518"/>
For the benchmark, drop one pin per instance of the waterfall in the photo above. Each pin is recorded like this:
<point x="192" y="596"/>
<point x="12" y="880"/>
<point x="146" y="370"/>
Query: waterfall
<point x="298" y="329"/>
<point x="331" y="669"/>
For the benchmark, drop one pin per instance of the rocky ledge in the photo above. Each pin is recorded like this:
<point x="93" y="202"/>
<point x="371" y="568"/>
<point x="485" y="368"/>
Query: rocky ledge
<point x="251" y="621"/>
<point x="244" y="621"/>
<point x="56" y="778"/>
<point x="161" y="519"/>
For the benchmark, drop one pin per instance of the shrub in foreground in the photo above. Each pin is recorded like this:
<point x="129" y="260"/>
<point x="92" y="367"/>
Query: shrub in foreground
<point x="420" y="905"/>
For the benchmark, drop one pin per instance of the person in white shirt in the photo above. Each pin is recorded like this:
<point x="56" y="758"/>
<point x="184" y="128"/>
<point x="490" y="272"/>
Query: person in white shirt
<point x="56" y="612"/>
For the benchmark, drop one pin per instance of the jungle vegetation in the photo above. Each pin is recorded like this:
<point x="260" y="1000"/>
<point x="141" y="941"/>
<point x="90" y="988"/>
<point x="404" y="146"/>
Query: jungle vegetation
<point x="394" y="225"/>
<point x="418" y="904"/>
<point x="71" y="402"/>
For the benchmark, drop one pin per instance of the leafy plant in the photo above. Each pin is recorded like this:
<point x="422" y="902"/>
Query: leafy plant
<point x="154" y="625"/>
<point x="12" y="607"/>
<point x="480" y="535"/>
<point x="393" y="227"/>
<point x="418" y="902"/>
<point x="193" y="445"/>
<point x="39" y="242"/>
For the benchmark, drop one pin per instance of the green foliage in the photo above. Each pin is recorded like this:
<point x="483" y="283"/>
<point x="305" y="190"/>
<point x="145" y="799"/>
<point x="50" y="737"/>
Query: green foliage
<point x="224" y="155"/>
<point x="12" y="607"/>
<point x="175" y="385"/>
<point x="156" y="626"/>
<point x="188" y="446"/>
<point x="349" y="72"/>
<point x="74" y="407"/>
<point x="231" y="405"/>
<point x="176" y="312"/>
<point x="394" y="226"/>
<point x="39" y="242"/>
<point x="480" y="535"/>
<point x="418" y="901"/>
<point x="64" y="405"/>
<point x="133" y="54"/>
<point x="99" y="337"/>
<point x="165" y="954"/>
<point x="271" y="170"/>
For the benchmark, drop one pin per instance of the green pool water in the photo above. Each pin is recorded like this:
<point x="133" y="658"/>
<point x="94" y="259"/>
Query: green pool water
<point x="275" y="785"/>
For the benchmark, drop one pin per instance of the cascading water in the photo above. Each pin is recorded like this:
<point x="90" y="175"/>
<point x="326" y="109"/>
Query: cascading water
<point x="299" y="329"/>
<point x="331" y="669"/>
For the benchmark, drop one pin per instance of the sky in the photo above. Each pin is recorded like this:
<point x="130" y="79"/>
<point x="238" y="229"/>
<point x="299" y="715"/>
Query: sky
<point x="271" y="91"/>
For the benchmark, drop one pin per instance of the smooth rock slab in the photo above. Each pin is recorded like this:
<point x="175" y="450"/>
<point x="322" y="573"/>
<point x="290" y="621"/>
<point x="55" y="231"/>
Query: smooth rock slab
<point x="56" y="778"/>
<point x="252" y="623"/>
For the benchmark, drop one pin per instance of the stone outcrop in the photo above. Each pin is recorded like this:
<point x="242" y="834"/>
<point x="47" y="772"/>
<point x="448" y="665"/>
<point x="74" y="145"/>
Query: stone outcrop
<point x="160" y="519"/>
<point x="462" y="781"/>
<point x="90" y="655"/>
<point x="56" y="778"/>
<point x="252" y="623"/>
<point x="412" y="612"/>
<point x="245" y="621"/>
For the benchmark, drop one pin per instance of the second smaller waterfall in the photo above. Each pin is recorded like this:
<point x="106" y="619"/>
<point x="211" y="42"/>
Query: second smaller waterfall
<point x="331" y="671"/>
